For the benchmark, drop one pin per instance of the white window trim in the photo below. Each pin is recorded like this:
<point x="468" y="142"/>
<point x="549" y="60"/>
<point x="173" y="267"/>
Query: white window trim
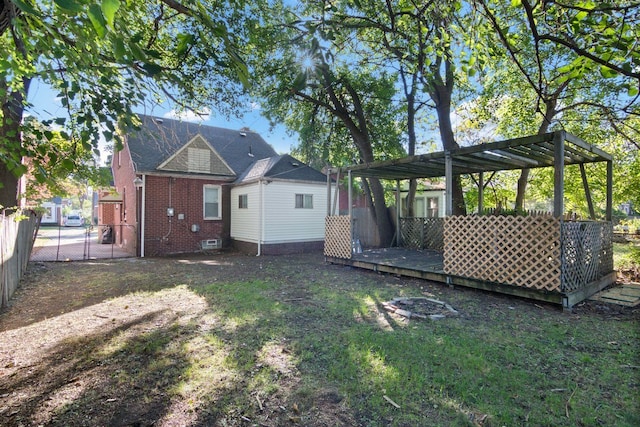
<point x="244" y="196"/>
<point x="305" y="197"/>
<point x="204" y="200"/>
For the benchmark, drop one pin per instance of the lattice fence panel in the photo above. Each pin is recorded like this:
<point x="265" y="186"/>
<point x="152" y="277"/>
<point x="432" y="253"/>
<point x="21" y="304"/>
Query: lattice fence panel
<point x="422" y="233"/>
<point x="433" y="234"/>
<point x="337" y="236"/>
<point x="411" y="231"/>
<point x="587" y="253"/>
<point x="606" y="251"/>
<point x="515" y="250"/>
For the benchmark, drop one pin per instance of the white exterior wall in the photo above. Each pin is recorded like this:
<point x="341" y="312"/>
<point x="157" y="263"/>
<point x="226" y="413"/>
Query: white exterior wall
<point x="51" y="213"/>
<point x="282" y="222"/>
<point x="285" y="223"/>
<point x="245" y="224"/>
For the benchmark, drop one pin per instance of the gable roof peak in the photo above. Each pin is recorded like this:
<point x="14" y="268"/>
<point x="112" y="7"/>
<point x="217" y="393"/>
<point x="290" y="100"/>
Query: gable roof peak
<point x="160" y="138"/>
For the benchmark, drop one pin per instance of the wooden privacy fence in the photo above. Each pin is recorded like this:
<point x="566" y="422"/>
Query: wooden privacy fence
<point x="17" y="233"/>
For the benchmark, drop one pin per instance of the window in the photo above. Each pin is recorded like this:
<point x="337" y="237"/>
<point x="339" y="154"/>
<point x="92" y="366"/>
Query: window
<point x="243" y="201"/>
<point x="212" y="202"/>
<point x="432" y="202"/>
<point x="304" y="201"/>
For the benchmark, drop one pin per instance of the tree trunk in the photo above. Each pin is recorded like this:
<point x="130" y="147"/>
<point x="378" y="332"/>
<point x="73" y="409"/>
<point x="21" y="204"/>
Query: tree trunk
<point x="10" y="138"/>
<point x="354" y="118"/>
<point x="523" y="180"/>
<point x="411" y="132"/>
<point x="11" y="119"/>
<point x="380" y="211"/>
<point x="442" y="96"/>
<point x="8" y="187"/>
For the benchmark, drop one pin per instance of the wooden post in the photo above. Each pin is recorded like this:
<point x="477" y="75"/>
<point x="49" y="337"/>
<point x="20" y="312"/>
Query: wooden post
<point x="336" y="202"/>
<point x="448" y="173"/>
<point x="350" y="195"/>
<point x="558" y="174"/>
<point x="609" y="208"/>
<point x="587" y="192"/>
<point x="398" y="207"/>
<point x="328" y="191"/>
<point x="481" y="193"/>
<point x="352" y="221"/>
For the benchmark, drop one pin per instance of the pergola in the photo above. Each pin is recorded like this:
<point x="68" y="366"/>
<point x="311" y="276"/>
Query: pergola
<point x="538" y="256"/>
<point x="556" y="149"/>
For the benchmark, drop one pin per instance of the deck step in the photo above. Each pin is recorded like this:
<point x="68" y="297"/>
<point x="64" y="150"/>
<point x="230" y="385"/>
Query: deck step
<point x="627" y="294"/>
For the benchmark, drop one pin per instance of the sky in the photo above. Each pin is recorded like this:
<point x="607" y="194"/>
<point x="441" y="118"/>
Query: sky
<point x="45" y="105"/>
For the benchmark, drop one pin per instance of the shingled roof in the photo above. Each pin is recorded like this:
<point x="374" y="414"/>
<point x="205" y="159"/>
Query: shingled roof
<point x="281" y="167"/>
<point x="159" y="139"/>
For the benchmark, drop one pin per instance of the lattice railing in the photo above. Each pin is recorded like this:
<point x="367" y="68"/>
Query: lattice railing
<point x="337" y="236"/>
<point x="422" y="233"/>
<point x="587" y="253"/>
<point x="520" y="251"/>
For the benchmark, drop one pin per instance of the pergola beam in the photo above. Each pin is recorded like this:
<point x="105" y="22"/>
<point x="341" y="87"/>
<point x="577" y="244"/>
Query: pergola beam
<point x="556" y="149"/>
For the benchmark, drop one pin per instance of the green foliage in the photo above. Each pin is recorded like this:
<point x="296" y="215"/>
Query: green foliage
<point x="106" y="57"/>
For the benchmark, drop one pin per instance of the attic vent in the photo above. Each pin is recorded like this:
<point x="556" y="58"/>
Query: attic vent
<point x="158" y="120"/>
<point x="243" y="134"/>
<point x="295" y="164"/>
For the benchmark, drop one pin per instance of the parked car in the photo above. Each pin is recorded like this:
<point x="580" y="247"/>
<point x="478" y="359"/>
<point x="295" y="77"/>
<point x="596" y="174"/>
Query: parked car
<point x="74" y="221"/>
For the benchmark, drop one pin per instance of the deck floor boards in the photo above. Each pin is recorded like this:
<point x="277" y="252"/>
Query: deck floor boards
<point x="419" y="260"/>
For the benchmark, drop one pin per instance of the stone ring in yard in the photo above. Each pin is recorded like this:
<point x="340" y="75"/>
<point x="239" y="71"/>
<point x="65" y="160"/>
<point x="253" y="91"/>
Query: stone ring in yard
<point x="419" y="308"/>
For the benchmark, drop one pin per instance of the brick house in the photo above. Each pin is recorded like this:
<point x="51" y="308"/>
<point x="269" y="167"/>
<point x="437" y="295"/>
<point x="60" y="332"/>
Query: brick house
<point x="184" y="188"/>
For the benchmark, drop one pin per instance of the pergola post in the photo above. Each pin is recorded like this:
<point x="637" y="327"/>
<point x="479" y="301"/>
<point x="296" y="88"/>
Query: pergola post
<point x="448" y="176"/>
<point x="328" y="191"/>
<point x="398" y="207"/>
<point x="609" y="208"/>
<point x="558" y="174"/>
<point x="481" y="193"/>
<point x="349" y="192"/>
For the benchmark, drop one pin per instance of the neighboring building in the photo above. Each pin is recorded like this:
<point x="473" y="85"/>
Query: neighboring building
<point x="186" y="183"/>
<point x="52" y="212"/>
<point x="429" y="201"/>
<point x="626" y="208"/>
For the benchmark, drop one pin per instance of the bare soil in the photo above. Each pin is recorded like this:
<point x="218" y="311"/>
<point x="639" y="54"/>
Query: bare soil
<point x="54" y="369"/>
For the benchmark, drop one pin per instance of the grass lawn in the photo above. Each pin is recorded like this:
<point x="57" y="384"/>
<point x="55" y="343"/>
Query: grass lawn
<point x="231" y="340"/>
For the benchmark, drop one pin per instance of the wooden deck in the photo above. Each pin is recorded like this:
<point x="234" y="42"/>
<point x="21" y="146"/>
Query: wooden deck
<point x="428" y="265"/>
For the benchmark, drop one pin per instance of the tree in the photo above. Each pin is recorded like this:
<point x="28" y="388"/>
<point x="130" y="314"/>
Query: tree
<point x="552" y="48"/>
<point x="341" y="106"/>
<point x="104" y="58"/>
<point x="50" y="178"/>
<point x="424" y="43"/>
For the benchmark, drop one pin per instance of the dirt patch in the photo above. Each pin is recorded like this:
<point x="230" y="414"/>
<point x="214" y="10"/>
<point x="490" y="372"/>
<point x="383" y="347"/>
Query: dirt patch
<point x="118" y="342"/>
<point x="419" y="308"/>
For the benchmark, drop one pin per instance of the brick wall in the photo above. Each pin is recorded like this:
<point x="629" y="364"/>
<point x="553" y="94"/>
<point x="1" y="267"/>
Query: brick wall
<point x="166" y="235"/>
<point x="124" y="221"/>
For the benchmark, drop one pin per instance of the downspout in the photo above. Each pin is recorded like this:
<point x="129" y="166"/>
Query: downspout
<point x="261" y="219"/>
<point x="142" y="220"/>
